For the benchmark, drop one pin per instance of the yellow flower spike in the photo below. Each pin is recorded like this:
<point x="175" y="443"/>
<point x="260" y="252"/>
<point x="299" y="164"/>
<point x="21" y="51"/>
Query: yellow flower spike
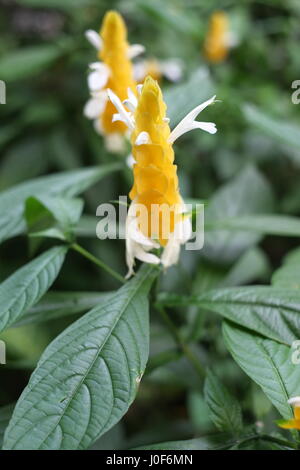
<point x="216" y="44"/>
<point x="156" y="182"/>
<point x="157" y="214"/>
<point x="114" y="54"/>
<point x="113" y="71"/>
<point x="292" y="423"/>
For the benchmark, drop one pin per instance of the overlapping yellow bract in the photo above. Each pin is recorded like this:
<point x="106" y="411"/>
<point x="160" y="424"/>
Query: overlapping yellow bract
<point x="155" y="175"/>
<point x="291" y="423"/>
<point x="114" y="54"/>
<point x="216" y="42"/>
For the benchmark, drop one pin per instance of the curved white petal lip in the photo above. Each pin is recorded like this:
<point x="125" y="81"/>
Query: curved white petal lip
<point x="134" y="50"/>
<point x="294" y="401"/>
<point x="188" y="123"/>
<point x="97" y="79"/>
<point x="94" y="38"/>
<point x="122" y="114"/>
<point x="143" y="138"/>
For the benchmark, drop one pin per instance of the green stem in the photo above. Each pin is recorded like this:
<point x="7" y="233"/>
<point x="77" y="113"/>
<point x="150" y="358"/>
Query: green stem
<point x="97" y="261"/>
<point x="189" y="354"/>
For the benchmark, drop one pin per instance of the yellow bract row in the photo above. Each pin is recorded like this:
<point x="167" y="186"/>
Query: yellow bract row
<point x="155" y="175"/>
<point x="114" y="54"/>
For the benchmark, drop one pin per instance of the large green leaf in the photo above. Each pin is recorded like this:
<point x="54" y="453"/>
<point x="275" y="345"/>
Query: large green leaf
<point x="247" y="193"/>
<point x="268" y="363"/>
<point x="225" y="410"/>
<point x="88" y="376"/>
<point x="60" y="304"/>
<point x="272" y="312"/>
<point x="265" y="224"/>
<point x="66" y="184"/>
<point x="26" y="286"/>
<point x="282" y="131"/>
<point x="28" y="61"/>
<point x="289" y="274"/>
<point x="210" y="442"/>
<point x="5" y="415"/>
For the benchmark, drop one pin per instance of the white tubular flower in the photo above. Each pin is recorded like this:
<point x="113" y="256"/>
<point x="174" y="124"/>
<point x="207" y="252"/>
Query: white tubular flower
<point x="95" y="105"/>
<point x="98" y="77"/>
<point x="134" y="50"/>
<point x="294" y="401"/>
<point x="122" y="115"/>
<point x="137" y="244"/>
<point x="115" y="143"/>
<point x="188" y="123"/>
<point x="157" y="216"/>
<point x="94" y="38"/>
<point x="171" y="69"/>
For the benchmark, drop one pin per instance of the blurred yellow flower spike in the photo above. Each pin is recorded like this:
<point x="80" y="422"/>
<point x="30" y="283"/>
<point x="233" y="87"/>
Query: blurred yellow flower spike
<point x="115" y="71"/>
<point x="217" y="42"/>
<point x="292" y="423"/>
<point x="157" y="214"/>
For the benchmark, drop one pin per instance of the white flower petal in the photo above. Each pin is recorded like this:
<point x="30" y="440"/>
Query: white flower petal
<point x="97" y="79"/>
<point x="143" y="138"/>
<point x="98" y="126"/>
<point x="135" y="50"/>
<point x="130" y="105"/>
<point x="115" y="143"/>
<point x="139" y="70"/>
<point x="188" y="123"/>
<point x="94" y="107"/>
<point x="130" y="161"/>
<point x="144" y="256"/>
<point x="135" y="234"/>
<point x="132" y="97"/>
<point x="171" y="252"/>
<point x="139" y="88"/>
<point x="172" y="69"/>
<point x="94" y="38"/>
<point x="294" y="401"/>
<point x="120" y="108"/>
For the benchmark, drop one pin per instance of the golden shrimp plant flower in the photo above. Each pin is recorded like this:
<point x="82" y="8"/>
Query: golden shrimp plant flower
<point x="114" y="70"/>
<point x="155" y="189"/>
<point x="218" y="39"/>
<point x="292" y="423"/>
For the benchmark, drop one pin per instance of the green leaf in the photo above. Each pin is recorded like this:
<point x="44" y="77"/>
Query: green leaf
<point x="251" y="266"/>
<point x="225" y="410"/>
<point x="247" y="193"/>
<point x="60" y="304"/>
<point x="280" y="130"/>
<point x="268" y="363"/>
<point x="54" y="217"/>
<point x="5" y="415"/>
<point x="88" y="376"/>
<point x="182" y="98"/>
<point x="211" y="442"/>
<point x="26" y="286"/>
<point x="265" y="224"/>
<point x="288" y="275"/>
<point x="272" y="312"/>
<point x="28" y="61"/>
<point x="67" y="184"/>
